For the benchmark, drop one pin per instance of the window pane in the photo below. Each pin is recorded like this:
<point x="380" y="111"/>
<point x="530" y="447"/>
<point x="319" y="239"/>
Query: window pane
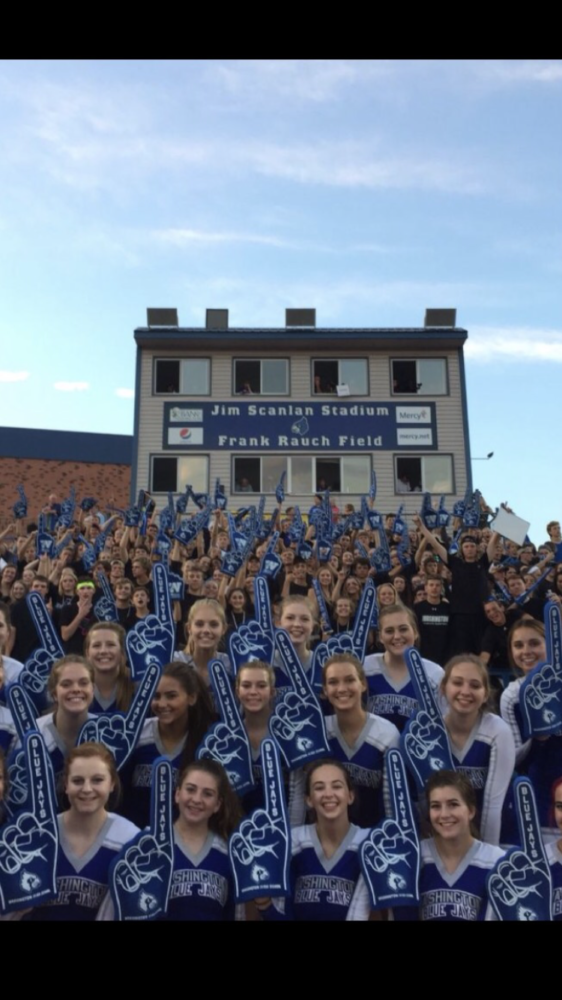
<point x="404" y="377"/>
<point x="438" y="473"/>
<point x="246" y="475"/>
<point x="325" y="376"/>
<point x="274" y="377"/>
<point x="300" y="467"/>
<point x="328" y="474"/>
<point x="432" y="376"/>
<point x="354" y="374"/>
<point x="195" y="376"/>
<point x="272" y="467"/>
<point x="167" y="376"/>
<point x="247" y="377"/>
<point x="408" y="475"/>
<point x="164" y="475"/>
<point x="193" y="469"/>
<point x="356" y="474"/>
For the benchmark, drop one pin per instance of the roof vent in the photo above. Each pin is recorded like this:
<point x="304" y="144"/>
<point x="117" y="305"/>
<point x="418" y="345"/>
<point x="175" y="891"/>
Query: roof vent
<point x="441" y="317"/>
<point x="162" y="317"/>
<point x="216" y="319"/>
<point x="300" y="317"/>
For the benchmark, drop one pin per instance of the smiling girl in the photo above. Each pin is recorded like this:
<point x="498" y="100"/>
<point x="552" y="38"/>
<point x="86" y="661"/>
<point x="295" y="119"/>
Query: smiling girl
<point x="298" y="620"/>
<point x="325" y="855"/>
<point x="454" y="864"/>
<point x="481" y="743"/>
<point x="539" y="758"/>
<point x="104" y="647"/>
<point x="208" y="813"/>
<point x="391" y="693"/>
<point x="182" y="715"/>
<point x="205" y="627"/>
<point x="89" y="835"/>
<point x="358" y="739"/>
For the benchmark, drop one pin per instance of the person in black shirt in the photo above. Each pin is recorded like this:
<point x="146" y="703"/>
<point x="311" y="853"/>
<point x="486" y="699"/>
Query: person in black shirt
<point x="469" y="588"/>
<point x="433" y="616"/>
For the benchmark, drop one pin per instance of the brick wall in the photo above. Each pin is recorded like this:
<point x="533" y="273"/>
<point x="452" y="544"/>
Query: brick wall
<point x="40" y="477"/>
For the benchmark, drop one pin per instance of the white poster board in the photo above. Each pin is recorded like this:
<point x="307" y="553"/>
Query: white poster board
<point x="510" y="526"/>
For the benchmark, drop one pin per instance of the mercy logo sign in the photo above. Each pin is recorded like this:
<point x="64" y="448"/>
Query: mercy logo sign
<point x="413" y="415"/>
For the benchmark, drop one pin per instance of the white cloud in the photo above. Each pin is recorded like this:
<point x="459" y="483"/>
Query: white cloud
<point x="522" y="71"/>
<point x="185" y="237"/>
<point x="514" y="344"/>
<point x="360" y="165"/>
<point x="71" y="386"/>
<point x="13" y="376"/>
<point x="125" y="393"/>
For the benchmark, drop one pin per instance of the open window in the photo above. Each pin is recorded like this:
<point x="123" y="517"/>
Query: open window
<point x="182" y="376"/>
<point x="269" y="377"/>
<point x="171" y="474"/>
<point x="351" y="372"/>
<point x="424" y="473"/>
<point x="419" y="377"/>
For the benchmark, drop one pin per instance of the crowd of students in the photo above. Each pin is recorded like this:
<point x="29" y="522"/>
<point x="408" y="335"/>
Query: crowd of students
<point x="470" y="600"/>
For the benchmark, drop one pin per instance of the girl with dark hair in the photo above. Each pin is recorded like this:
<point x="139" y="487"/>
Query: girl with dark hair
<point x="454" y="864"/>
<point x="202" y="885"/>
<point x="183" y="713"/>
<point x="325" y="866"/>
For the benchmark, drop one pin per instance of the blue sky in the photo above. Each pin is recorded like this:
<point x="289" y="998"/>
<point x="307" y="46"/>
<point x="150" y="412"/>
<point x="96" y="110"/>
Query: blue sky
<point x="368" y="190"/>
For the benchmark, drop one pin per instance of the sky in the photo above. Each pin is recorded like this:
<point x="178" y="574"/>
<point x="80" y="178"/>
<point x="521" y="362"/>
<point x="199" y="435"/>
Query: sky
<point x="367" y="190"/>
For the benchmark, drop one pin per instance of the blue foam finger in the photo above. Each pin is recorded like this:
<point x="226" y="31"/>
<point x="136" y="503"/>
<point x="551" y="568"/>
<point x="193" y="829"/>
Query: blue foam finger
<point x="390" y="855"/>
<point x="29" y="841"/>
<point x="20" y="507"/>
<point x="22" y="709"/>
<point x="280" y="489"/>
<point x="140" y="876"/>
<point x="260" y="847"/>
<point x="364" y="619"/>
<point x="48" y="636"/>
<point x="120" y="733"/>
<point x="424" y="741"/>
<point x="540" y="695"/>
<point x="520" y="886"/>
<point x="227" y="741"/>
<point x="297" y="723"/>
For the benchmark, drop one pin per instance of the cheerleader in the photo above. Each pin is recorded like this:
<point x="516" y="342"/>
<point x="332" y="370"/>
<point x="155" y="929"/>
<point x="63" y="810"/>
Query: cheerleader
<point x="182" y="715"/>
<point x="539" y="758"/>
<point x="205" y="627"/>
<point x="481" y="743"/>
<point x="255" y="690"/>
<point x="454" y="864"/>
<point x="202" y="885"/>
<point x="89" y="835"/>
<point x="357" y="739"/>
<point x="554" y="852"/>
<point x="325" y="866"/>
<point x="298" y="621"/>
<point x="391" y="693"/>
<point x="71" y="689"/>
<point x="104" y="647"/>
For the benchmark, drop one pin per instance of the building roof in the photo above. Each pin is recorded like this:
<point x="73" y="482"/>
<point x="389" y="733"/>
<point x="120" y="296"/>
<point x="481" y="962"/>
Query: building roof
<point x="301" y="338"/>
<point x="65" y="446"/>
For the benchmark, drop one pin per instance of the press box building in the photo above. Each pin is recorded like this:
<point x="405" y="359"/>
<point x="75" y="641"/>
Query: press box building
<point x="325" y="405"/>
